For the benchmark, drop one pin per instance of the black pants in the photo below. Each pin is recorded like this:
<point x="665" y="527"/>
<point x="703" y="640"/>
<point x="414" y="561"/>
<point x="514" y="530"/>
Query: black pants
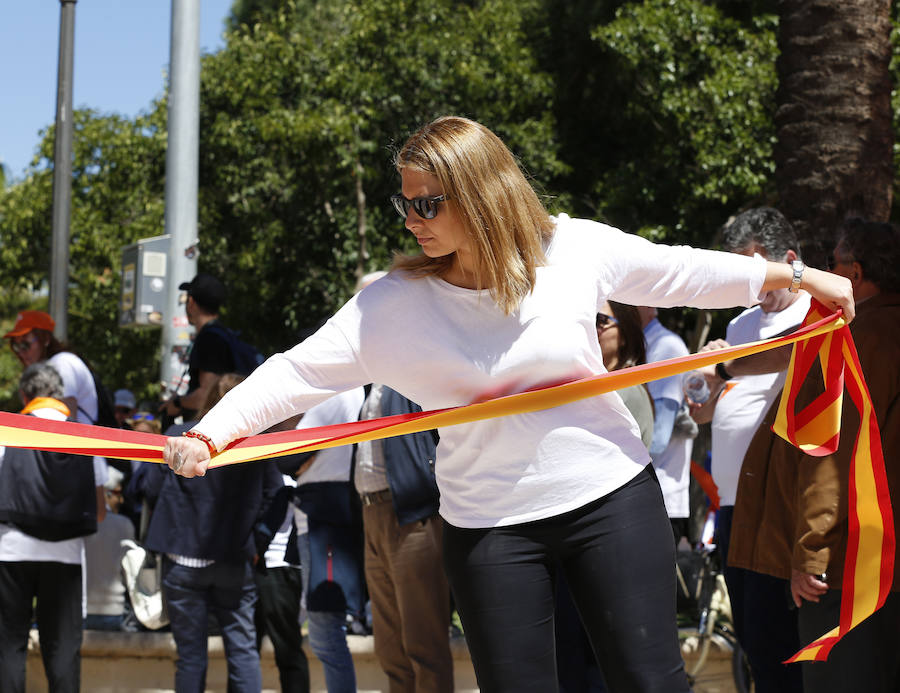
<point x="866" y="659"/>
<point x="576" y="665"/>
<point x="57" y="587"/>
<point x="278" y="616"/>
<point x="764" y="620"/>
<point x="618" y="557"/>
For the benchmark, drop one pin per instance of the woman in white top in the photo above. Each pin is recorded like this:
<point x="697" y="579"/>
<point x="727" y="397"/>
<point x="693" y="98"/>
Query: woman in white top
<point x="503" y="298"/>
<point x="32" y="340"/>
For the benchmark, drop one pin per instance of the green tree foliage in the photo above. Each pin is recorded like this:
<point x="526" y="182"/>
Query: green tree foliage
<point x="664" y="112"/>
<point x="299" y="118"/>
<point x="692" y="141"/>
<point x="117" y="197"/>
<point x="655" y="116"/>
<point x="11" y="302"/>
<point x="251" y="11"/>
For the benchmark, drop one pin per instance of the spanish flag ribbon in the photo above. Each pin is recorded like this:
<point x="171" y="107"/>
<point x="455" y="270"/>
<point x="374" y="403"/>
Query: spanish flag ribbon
<point x="869" y="563"/>
<point x="82" y="439"/>
<point x="815" y="430"/>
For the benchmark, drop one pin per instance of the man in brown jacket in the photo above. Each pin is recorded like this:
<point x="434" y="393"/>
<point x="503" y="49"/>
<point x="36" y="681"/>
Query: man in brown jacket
<point x="765" y="627"/>
<point x="790" y="517"/>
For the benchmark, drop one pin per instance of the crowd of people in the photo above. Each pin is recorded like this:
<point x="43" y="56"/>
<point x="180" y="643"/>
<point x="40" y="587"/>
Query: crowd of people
<point x="552" y="534"/>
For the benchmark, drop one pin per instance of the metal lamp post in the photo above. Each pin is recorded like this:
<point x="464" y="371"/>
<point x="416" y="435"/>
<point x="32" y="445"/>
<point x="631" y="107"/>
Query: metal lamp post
<point x="62" y="172"/>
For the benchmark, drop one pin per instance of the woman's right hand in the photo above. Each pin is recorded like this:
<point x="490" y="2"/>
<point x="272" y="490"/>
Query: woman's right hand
<point x="187" y="457"/>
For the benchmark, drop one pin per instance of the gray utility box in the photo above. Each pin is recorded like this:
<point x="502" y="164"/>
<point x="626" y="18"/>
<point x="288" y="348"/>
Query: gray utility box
<point x="143" y="297"/>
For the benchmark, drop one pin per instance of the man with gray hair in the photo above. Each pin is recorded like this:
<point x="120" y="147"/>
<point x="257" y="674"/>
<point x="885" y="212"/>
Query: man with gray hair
<point x="765" y="626"/>
<point x="49" y="501"/>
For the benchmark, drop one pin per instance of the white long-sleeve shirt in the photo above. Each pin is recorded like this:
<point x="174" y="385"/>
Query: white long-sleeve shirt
<point x="441" y="345"/>
<point x="746" y="399"/>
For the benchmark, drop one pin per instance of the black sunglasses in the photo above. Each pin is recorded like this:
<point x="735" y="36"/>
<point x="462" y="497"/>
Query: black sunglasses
<point x="20" y="346"/>
<point x="426" y="207"/>
<point x="604" y="321"/>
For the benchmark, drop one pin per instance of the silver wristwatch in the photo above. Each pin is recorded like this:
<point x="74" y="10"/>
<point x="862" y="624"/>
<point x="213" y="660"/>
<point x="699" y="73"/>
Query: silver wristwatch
<point x="798" y="267"/>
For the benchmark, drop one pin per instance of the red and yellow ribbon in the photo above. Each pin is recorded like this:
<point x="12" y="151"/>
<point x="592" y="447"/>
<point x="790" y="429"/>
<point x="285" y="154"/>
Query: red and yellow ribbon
<point x="814" y="430"/>
<point x="869" y="563"/>
<point x="82" y="439"/>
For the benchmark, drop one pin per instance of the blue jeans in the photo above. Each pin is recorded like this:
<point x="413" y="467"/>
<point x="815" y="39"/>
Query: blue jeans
<point x="229" y="592"/>
<point x="103" y="622"/>
<point x="328" y="635"/>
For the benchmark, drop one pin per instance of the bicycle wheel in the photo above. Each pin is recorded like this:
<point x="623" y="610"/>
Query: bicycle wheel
<point x="740" y="669"/>
<point x="708" y="660"/>
<point x="694" y="650"/>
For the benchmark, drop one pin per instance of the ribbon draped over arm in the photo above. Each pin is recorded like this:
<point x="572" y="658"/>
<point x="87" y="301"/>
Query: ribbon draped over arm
<point x="869" y="562"/>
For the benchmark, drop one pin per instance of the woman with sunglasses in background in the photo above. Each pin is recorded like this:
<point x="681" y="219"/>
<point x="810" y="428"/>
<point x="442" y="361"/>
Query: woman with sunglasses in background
<point x="622" y="345"/>
<point x="504" y="298"/>
<point x="32" y="340"/>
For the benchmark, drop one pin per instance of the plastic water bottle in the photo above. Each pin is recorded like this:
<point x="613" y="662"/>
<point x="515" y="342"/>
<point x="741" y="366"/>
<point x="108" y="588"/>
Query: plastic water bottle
<point x="695" y="387"/>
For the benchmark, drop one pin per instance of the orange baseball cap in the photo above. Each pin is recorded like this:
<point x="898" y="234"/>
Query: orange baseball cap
<point x="29" y="320"/>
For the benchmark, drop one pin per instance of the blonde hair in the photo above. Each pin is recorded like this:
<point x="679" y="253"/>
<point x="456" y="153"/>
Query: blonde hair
<point x="504" y="220"/>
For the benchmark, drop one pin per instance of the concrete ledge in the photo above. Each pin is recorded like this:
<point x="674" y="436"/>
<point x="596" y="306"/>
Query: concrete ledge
<point x="112" y="662"/>
<point x="145" y="663"/>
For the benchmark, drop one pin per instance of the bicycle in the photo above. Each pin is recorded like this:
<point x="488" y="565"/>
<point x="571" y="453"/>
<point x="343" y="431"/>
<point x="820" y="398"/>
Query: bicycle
<point x="704" y="616"/>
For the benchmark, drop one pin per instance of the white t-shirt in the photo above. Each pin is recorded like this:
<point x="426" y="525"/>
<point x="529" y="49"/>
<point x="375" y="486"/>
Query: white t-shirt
<point x="103" y="564"/>
<point x="673" y="465"/>
<point x="746" y="398"/>
<point x="18" y="546"/>
<point x="441" y="346"/>
<point x="78" y="383"/>
<point x="330" y="464"/>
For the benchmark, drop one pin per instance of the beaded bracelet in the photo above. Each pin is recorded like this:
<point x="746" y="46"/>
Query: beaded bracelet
<point x="202" y="437"/>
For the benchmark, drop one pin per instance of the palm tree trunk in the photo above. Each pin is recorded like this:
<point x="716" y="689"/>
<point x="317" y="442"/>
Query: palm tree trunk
<point x="834" y="156"/>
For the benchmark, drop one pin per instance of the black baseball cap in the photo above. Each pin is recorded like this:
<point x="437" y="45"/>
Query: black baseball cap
<point x="206" y="290"/>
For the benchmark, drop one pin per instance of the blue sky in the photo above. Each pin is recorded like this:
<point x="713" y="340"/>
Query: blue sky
<point x="121" y="55"/>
